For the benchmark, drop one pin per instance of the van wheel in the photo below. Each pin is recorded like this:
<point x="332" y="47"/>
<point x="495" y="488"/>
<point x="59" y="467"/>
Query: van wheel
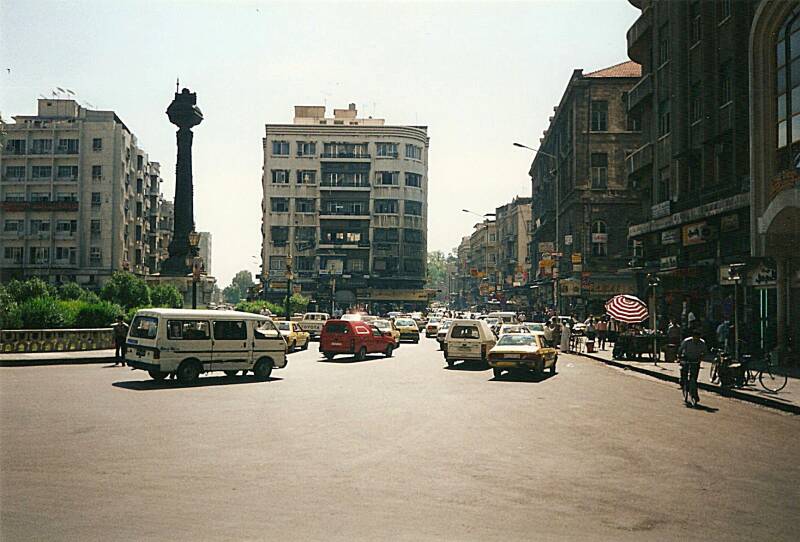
<point x="497" y="372"/>
<point x="157" y="375"/>
<point x="188" y="372"/>
<point x="263" y="368"/>
<point x="450" y="362"/>
<point x="362" y="354"/>
<point x="328" y="355"/>
<point x="389" y="351"/>
<point x="231" y="374"/>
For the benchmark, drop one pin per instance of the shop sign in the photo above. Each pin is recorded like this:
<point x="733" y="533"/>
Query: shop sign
<point x="670" y="237"/>
<point x="611" y="288"/>
<point x="696" y="213"/>
<point x="763" y="275"/>
<point x="277" y="285"/>
<point x="545" y="263"/>
<point x="577" y="267"/>
<point x="668" y="262"/>
<point x="398" y="295"/>
<point x="599" y="238"/>
<point x="660" y="210"/>
<point x="546" y="247"/>
<point x="725" y="276"/>
<point x="569" y="288"/>
<point x="577" y="258"/>
<point x="729" y="223"/>
<point x="568" y="240"/>
<point x="697" y="233"/>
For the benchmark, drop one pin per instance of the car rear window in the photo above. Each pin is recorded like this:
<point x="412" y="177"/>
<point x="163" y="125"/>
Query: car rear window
<point x="337" y="327"/>
<point x="144" y="327"/>
<point x="465" y="332"/>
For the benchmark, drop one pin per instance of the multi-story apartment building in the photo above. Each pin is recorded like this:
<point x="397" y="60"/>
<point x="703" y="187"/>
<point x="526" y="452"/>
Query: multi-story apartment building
<point x="76" y="196"/>
<point x="463" y="278"/>
<point x="582" y="201"/>
<point x="345" y="200"/>
<point x="774" y="61"/>
<point x="693" y="167"/>
<point x="204" y="250"/>
<point x="482" y="262"/>
<point x="513" y="230"/>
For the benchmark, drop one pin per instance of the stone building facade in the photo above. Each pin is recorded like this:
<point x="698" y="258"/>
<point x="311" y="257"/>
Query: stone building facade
<point x="79" y="199"/>
<point x="513" y="231"/>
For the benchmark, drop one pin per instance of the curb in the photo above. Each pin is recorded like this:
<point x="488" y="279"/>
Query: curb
<point x="725" y="392"/>
<point x="19" y="362"/>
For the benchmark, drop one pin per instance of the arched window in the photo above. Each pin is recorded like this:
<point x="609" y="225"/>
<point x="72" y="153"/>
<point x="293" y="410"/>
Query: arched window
<point x="599" y="238"/>
<point x="787" y="57"/>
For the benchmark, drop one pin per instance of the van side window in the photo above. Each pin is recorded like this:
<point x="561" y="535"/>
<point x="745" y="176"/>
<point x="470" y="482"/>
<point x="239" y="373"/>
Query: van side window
<point x="465" y="332"/>
<point x="230" y="330"/>
<point x="188" y="330"/>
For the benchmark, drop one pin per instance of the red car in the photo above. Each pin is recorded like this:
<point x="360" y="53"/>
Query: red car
<point x="354" y="337"/>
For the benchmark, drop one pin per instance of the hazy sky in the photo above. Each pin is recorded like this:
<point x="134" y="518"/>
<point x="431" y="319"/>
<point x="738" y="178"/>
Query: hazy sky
<point x="479" y="75"/>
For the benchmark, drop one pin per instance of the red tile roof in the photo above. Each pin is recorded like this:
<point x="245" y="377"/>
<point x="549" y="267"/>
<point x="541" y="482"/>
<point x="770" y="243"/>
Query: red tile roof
<point x="624" y="69"/>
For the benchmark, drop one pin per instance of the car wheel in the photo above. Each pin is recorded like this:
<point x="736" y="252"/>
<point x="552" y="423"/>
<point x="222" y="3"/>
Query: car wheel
<point x="362" y="354"/>
<point x="263" y="368"/>
<point x="157" y="375"/>
<point x="231" y="374"/>
<point x="553" y="368"/>
<point x="497" y="372"/>
<point x="293" y="346"/>
<point x="305" y="346"/>
<point x="389" y="350"/>
<point x="188" y="372"/>
<point x="450" y="362"/>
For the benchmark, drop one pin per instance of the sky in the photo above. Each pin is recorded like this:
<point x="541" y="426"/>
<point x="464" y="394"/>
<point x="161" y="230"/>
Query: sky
<point x="480" y="75"/>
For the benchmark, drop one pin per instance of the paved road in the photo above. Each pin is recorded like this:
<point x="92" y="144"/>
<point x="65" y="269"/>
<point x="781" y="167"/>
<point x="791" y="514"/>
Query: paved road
<point x="399" y="449"/>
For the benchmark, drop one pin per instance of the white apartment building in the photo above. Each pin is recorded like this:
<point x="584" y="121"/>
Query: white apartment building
<point x="345" y="201"/>
<point x="79" y="199"/>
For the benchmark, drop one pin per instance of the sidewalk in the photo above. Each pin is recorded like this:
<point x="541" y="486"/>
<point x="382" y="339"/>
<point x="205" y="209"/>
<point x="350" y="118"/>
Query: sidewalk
<point x="788" y="399"/>
<point x="57" y="358"/>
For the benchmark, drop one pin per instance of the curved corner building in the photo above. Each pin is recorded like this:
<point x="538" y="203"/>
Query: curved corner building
<point x="345" y="206"/>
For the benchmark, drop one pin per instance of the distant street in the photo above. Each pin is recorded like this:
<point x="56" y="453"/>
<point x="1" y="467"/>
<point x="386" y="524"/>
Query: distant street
<point x="398" y="448"/>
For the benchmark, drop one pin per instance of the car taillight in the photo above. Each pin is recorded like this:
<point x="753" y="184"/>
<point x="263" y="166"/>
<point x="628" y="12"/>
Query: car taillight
<point x="156" y="354"/>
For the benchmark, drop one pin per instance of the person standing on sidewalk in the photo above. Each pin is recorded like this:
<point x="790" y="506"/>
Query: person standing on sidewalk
<point x="120" y="336"/>
<point x="602" y="331"/>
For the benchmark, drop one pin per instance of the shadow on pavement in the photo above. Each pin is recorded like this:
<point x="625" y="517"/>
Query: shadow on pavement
<point x="710" y="410"/>
<point x="149" y="385"/>
<point x="352" y="359"/>
<point x="468" y="366"/>
<point x="523" y="376"/>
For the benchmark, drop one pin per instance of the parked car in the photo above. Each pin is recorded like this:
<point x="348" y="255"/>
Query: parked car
<point x="313" y="322"/>
<point x="442" y="334"/>
<point x="512" y="328"/>
<point x="294" y="335"/>
<point x="409" y="331"/>
<point x="522" y="351"/>
<point x="432" y="328"/>
<point x="187" y="343"/>
<point x="354" y="337"/>
<point x="388" y="326"/>
<point x="468" y="340"/>
<point x="506" y="317"/>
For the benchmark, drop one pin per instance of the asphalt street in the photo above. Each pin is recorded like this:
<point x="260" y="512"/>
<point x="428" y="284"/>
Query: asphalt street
<point x="388" y="449"/>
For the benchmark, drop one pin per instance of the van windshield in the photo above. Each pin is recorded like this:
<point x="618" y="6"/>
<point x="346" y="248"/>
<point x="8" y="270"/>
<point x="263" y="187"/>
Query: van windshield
<point x="144" y="327"/>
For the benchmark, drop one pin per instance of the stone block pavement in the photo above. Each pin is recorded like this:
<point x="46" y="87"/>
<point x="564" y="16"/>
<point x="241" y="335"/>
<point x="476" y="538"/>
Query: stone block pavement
<point x="788" y="399"/>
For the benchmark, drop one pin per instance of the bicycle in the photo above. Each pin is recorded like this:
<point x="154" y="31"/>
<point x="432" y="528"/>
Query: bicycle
<point x="766" y="373"/>
<point x="689" y="384"/>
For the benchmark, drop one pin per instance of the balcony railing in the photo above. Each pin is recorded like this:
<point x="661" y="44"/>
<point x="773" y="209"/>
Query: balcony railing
<point x="333" y="186"/>
<point x="343" y="154"/>
<point x="39" y="205"/>
<point x="640" y="158"/>
<point x="640" y="91"/>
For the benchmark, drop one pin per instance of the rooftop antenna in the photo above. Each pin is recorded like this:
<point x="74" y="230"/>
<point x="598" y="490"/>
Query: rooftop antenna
<point x="177" y="85"/>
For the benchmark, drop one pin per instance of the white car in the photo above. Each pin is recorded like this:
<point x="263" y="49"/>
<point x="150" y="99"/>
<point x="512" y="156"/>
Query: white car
<point x="313" y="322"/>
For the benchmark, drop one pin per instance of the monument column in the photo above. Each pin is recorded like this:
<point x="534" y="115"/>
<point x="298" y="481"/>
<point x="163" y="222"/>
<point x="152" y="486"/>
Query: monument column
<point x="184" y="113"/>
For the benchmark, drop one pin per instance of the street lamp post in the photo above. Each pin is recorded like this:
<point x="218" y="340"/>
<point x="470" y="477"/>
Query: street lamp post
<point x="194" y="241"/>
<point x="653" y="281"/>
<point x="735" y="274"/>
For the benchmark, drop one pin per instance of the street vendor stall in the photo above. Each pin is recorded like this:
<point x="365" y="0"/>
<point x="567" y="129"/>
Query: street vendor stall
<point x="633" y="343"/>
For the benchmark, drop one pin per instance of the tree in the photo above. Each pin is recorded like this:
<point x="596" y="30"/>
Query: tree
<point x="238" y="287"/>
<point x="166" y="295"/>
<point x="126" y="290"/>
<point x="70" y="290"/>
<point x="30" y="289"/>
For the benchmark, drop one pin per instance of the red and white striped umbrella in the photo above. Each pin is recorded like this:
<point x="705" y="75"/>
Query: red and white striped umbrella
<point x="627" y="308"/>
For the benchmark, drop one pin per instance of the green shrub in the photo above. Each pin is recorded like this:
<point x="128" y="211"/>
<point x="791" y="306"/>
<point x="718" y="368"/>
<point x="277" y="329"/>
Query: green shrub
<point x="10" y="317"/>
<point x="166" y="295"/>
<point x="100" y="314"/>
<point x="41" y="313"/>
<point x="256" y="306"/>
<point x="69" y="312"/>
<point x="90" y="297"/>
<point x="126" y="290"/>
<point x="30" y="289"/>
<point x="70" y="290"/>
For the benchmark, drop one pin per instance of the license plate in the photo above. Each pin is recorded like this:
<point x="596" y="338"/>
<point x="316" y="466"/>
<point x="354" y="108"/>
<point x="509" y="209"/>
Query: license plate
<point x="336" y="344"/>
<point x="511" y="356"/>
<point x="505" y="364"/>
<point x="140" y="352"/>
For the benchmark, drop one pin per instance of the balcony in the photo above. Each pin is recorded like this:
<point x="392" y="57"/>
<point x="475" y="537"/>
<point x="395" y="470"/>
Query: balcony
<point x="345" y="187"/>
<point x="343" y="215"/>
<point x="640" y="158"/>
<point x="640" y="92"/>
<point x="337" y="243"/>
<point x="345" y="155"/>
<point x="39" y="205"/>
<point x="638" y="36"/>
<point x="411" y="221"/>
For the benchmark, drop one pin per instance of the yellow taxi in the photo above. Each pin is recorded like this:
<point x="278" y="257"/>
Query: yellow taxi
<point x="527" y="351"/>
<point x="294" y="335"/>
<point x="409" y="331"/>
<point x="387" y="326"/>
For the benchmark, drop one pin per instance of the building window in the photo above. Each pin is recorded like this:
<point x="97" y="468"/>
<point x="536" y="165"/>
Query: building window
<point x="387" y="178"/>
<point x="788" y="81"/>
<point x="280" y="176"/>
<point x="599" y="238"/>
<point x="13" y="254"/>
<point x="95" y="256"/>
<point x="279" y="205"/>
<point x="15" y="172"/>
<point x="304" y="205"/>
<point x="412" y="236"/>
<point x="386" y="206"/>
<point x="42" y="146"/>
<point x="599" y="116"/>
<point x="414" y="179"/>
<point x="306" y="176"/>
<point x="663" y="44"/>
<point x="663" y="118"/>
<point x="724" y="9"/>
<point x="14" y="226"/>
<point x="97" y="173"/>
<point x="41" y="172"/>
<point x="66" y="196"/>
<point x="345" y="150"/>
<point x="280" y="235"/>
<point x="412" y="208"/>
<point x="67" y="146"/>
<point x="66" y="226"/>
<point x="15" y="196"/>
<point x="277" y="263"/>
<point x="663" y="192"/>
<point x="306" y="148"/>
<point x="67" y="172"/>
<point x="387" y="150"/>
<point x="634" y="122"/>
<point x="95" y="199"/>
<point x="40" y="196"/>
<point x="280" y="148"/>
<point x="15" y="146"/>
<point x="696" y="23"/>
<point x="386" y="235"/>
<point x="355" y="266"/>
<point x="97" y="144"/>
<point x="95" y="228"/>
<point x="696" y="106"/>
<point x="725" y="75"/>
<point x="599" y="167"/>
<point x="40" y="255"/>
<point x="414" y="152"/>
<point x="67" y="254"/>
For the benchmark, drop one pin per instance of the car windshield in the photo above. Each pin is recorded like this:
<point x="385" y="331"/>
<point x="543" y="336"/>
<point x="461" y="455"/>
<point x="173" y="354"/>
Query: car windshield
<point x="512" y="329"/>
<point x="517" y="339"/>
<point x="381" y="324"/>
<point x="445" y="326"/>
<point x="404" y="322"/>
<point x="434" y="320"/>
<point x="492" y="321"/>
<point x="284" y="326"/>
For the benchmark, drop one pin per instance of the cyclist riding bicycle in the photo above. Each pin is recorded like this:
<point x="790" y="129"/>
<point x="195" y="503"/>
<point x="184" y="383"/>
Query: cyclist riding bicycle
<point x="692" y="350"/>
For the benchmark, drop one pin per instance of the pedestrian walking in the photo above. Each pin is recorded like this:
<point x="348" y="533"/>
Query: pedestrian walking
<point x="602" y="332"/>
<point x="566" y="335"/>
<point x="120" y="336"/>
